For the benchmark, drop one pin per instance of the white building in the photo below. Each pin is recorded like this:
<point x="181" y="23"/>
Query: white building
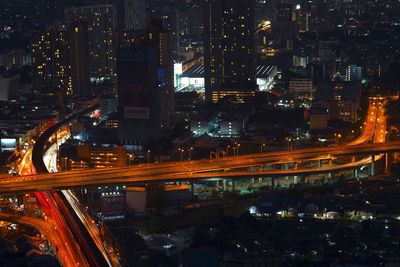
<point x="193" y="78"/>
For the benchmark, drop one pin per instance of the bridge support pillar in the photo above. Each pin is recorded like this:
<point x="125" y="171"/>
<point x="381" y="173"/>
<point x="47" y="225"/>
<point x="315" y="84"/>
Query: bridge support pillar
<point x="355" y="173"/>
<point x="298" y="179"/>
<point x="296" y="165"/>
<point x="372" y="165"/>
<point x="285" y="166"/>
<point x="330" y="162"/>
<point x="233" y="185"/>
<point x="387" y="162"/>
<point x="353" y="159"/>
<point x="223" y="184"/>
<point x="273" y="182"/>
<point x="192" y="189"/>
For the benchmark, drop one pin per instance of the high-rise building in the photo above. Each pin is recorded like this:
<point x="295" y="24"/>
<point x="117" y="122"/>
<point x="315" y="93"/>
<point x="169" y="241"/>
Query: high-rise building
<point x="302" y="20"/>
<point x="229" y="50"/>
<point x="101" y="30"/>
<point x="353" y="73"/>
<point x="135" y="14"/>
<point x="79" y="57"/>
<point x="283" y="26"/>
<point x="145" y="84"/>
<point x="51" y="70"/>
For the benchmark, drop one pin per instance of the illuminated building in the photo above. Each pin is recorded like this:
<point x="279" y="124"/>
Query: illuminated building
<point x="353" y="73"/>
<point x="229" y="51"/>
<point x="79" y="57"/>
<point x="51" y="71"/>
<point x="233" y="124"/>
<point x="192" y="79"/>
<point x="101" y="21"/>
<point x="204" y="123"/>
<point x="302" y="20"/>
<point x="102" y="156"/>
<point x="341" y="100"/>
<point x="302" y="88"/>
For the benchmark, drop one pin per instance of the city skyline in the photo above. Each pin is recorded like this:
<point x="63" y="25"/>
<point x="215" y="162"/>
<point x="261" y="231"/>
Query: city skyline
<point x="199" y="133"/>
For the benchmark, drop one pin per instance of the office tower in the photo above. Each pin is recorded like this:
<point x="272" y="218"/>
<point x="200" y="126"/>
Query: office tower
<point x="229" y="50"/>
<point x="283" y="26"/>
<point x="135" y="14"/>
<point x="79" y="57"/>
<point x="170" y="23"/>
<point x="302" y="20"/>
<point x="353" y="73"/>
<point x="101" y="21"/>
<point x="51" y="71"/>
<point x="145" y="84"/>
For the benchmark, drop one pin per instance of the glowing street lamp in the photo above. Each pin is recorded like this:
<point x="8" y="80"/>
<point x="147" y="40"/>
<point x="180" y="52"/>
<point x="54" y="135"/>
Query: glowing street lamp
<point x="262" y="148"/>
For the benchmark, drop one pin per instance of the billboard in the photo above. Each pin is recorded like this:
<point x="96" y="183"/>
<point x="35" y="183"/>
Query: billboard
<point x="137" y="113"/>
<point x="136" y="100"/>
<point x="8" y="144"/>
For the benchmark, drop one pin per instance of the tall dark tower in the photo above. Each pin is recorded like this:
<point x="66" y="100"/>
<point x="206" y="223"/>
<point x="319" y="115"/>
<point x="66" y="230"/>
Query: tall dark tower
<point x="229" y="51"/>
<point x="135" y="14"/>
<point x="79" y="57"/>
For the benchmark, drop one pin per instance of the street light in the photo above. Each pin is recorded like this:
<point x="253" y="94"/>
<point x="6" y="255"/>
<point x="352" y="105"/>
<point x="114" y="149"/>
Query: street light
<point x="190" y="153"/>
<point x="148" y="156"/>
<point x="181" y="150"/>
<point x="289" y="140"/>
<point x="337" y="136"/>
<point x="262" y="147"/>
<point x="237" y="152"/>
<point x="130" y="156"/>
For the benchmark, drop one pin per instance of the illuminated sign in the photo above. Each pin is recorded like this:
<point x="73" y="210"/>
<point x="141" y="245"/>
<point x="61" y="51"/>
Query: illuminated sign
<point x="8" y="144"/>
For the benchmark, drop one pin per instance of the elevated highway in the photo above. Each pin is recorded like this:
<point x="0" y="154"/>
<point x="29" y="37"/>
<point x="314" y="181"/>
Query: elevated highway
<point x="196" y="169"/>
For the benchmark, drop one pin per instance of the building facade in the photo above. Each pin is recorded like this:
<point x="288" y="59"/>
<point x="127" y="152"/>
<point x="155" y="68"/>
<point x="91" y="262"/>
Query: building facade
<point x="101" y="21"/>
<point x="79" y="57"/>
<point x="135" y="14"/>
<point x="229" y="50"/>
<point x="50" y="66"/>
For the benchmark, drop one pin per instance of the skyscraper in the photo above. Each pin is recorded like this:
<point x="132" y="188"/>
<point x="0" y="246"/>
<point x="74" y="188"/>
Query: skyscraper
<point x="51" y="70"/>
<point x="145" y="84"/>
<point x="229" y="50"/>
<point x="135" y="14"/>
<point x="101" y="30"/>
<point x="79" y="57"/>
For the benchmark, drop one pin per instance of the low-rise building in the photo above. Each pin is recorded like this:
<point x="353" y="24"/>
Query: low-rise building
<point x="302" y="88"/>
<point x="193" y="77"/>
<point x="204" y="123"/>
<point x="340" y="99"/>
<point x="318" y="119"/>
<point x="233" y="124"/>
<point x="103" y="156"/>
